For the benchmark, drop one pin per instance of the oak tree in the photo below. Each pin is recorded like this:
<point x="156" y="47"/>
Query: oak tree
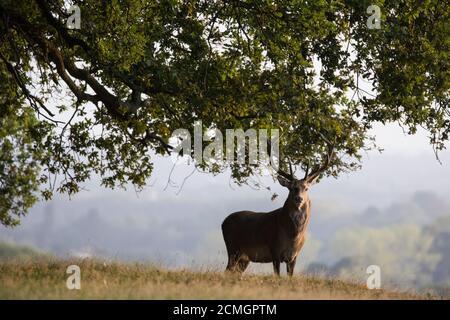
<point x="102" y="99"/>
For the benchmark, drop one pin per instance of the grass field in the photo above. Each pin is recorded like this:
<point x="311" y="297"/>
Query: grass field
<point x="103" y="280"/>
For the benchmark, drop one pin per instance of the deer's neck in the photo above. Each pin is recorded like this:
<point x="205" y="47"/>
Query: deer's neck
<point x="293" y="218"/>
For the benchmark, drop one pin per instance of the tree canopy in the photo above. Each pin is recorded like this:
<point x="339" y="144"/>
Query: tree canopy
<point x="103" y="98"/>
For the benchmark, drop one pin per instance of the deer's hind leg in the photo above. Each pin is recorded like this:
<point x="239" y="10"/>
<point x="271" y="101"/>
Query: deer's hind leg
<point x="237" y="263"/>
<point x="233" y="260"/>
<point x="243" y="264"/>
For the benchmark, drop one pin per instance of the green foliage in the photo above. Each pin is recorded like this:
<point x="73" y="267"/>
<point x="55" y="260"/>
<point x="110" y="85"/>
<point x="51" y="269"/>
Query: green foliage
<point x="407" y="63"/>
<point x="137" y="70"/>
<point x="21" y="149"/>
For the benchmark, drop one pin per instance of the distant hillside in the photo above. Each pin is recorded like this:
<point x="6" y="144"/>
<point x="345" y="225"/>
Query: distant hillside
<point x="102" y="280"/>
<point x="10" y="251"/>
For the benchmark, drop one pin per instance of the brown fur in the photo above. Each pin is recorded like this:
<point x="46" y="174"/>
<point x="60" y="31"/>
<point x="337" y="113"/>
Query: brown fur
<point x="263" y="237"/>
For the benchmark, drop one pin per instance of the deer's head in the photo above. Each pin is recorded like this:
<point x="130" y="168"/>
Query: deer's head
<point x="298" y="188"/>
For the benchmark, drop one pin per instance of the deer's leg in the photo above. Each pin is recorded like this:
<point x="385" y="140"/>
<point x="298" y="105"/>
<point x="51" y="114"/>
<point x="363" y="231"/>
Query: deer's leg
<point x="243" y="264"/>
<point x="276" y="266"/>
<point x="232" y="262"/>
<point x="290" y="266"/>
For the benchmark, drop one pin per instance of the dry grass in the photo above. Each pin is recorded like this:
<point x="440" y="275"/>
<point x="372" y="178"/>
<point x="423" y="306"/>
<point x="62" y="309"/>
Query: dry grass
<point x="104" y="280"/>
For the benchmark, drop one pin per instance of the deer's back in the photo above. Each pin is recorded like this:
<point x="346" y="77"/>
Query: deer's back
<point x="249" y="219"/>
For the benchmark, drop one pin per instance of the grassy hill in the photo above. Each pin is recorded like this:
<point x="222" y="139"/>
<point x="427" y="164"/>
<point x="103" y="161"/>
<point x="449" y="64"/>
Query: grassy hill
<point x="103" y="280"/>
<point x="18" y="252"/>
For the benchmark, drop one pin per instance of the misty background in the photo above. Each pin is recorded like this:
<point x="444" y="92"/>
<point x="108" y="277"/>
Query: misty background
<point x="394" y="212"/>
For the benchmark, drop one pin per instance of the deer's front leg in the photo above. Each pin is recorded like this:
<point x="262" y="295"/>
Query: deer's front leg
<point x="290" y="266"/>
<point x="276" y="266"/>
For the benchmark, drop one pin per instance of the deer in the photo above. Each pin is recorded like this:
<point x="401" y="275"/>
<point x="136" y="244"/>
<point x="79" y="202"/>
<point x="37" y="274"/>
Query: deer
<point x="276" y="236"/>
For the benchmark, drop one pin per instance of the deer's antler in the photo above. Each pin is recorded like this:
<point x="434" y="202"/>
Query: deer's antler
<point x="321" y="168"/>
<point x="289" y="176"/>
<point x="306" y="171"/>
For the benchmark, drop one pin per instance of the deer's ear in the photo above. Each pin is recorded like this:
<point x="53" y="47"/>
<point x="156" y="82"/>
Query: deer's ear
<point x="284" y="182"/>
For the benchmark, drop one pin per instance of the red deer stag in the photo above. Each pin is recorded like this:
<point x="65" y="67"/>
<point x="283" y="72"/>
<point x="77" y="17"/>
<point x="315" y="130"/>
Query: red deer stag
<point x="275" y="236"/>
